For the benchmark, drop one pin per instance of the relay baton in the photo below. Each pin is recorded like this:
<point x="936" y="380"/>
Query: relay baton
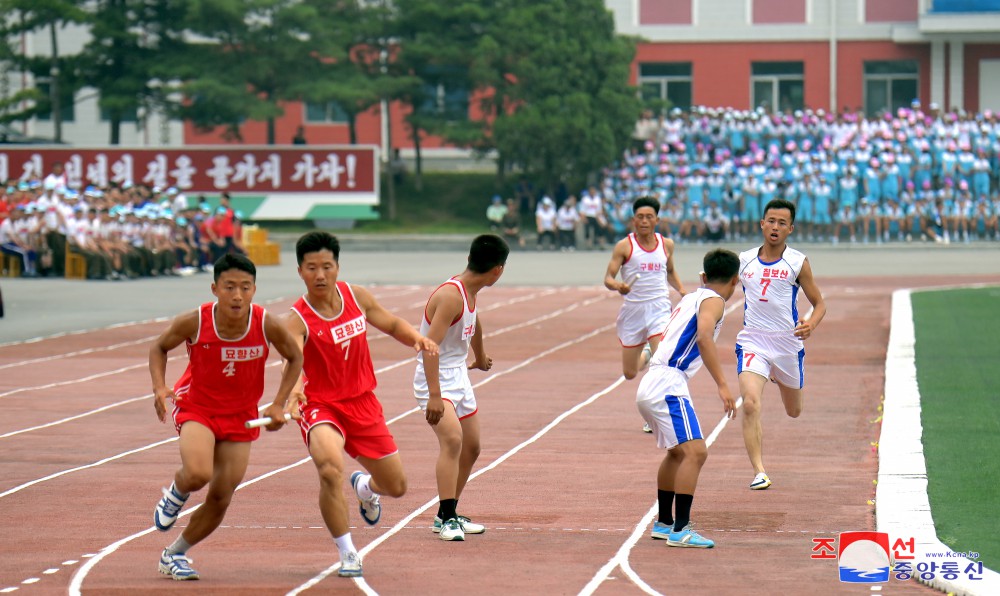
<point x="259" y="422"/>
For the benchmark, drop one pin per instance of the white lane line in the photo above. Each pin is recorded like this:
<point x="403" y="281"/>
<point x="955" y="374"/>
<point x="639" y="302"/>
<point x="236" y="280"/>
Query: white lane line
<point x="34" y="340"/>
<point x="124" y="344"/>
<point x="87" y="466"/>
<point x="77" y="416"/>
<point x="118" y="345"/>
<point x="77" y="581"/>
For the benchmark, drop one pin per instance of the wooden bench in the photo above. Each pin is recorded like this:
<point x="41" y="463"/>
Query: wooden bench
<point x="76" y="265"/>
<point x="11" y="266"/>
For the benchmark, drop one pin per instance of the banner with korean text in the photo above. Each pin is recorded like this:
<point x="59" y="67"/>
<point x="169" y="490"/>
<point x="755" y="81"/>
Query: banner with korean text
<point x="266" y="182"/>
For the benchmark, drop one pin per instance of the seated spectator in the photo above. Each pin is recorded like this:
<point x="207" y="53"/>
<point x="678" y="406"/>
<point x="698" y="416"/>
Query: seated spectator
<point x="511" y="225"/>
<point x="716" y="223"/>
<point x="545" y="223"/>
<point x="495" y="213"/>
<point x="567" y="221"/>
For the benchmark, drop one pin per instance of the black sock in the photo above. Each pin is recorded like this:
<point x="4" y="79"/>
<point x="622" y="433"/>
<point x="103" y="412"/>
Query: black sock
<point x="666" y="500"/>
<point x="446" y="509"/>
<point x="683" y="511"/>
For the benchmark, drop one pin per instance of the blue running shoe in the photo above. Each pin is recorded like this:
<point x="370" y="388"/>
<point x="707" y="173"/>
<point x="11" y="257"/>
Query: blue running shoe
<point x="371" y="509"/>
<point x="177" y="567"/>
<point x="688" y="538"/>
<point x="168" y="509"/>
<point x="661" y="531"/>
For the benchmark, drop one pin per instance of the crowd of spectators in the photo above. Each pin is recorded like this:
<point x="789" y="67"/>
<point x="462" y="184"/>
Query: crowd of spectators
<point x="121" y="232"/>
<point x="913" y="175"/>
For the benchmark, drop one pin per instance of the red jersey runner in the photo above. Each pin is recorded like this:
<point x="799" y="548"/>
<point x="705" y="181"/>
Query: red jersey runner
<point x="337" y="364"/>
<point x="224" y="376"/>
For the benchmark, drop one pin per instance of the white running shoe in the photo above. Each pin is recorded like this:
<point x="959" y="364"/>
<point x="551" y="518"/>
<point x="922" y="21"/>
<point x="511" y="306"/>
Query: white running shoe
<point x="371" y="509"/>
<point x="468" y="526"/>
<point x="177" y="567"/>
<point x="350" y="565"/>
<point x="451" y="530"/>
<point x="168" y="509"/>
<point x="760" y="482"/>
<point x="646" y="428"/>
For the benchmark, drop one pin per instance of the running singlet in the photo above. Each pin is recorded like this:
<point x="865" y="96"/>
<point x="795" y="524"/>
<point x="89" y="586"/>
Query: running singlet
<point x="337" y="364"/>
<point x="771" y="290"/>
<point x="224" y="376"/>
<point x="679" y="344"/>
<point x="455" y="345"/>
<point x="651" y="265"/>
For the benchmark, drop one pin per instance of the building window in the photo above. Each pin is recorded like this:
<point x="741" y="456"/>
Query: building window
<point x="666" y="80"/>
<point x="778" y="12"/>
<point x="450" y="103"/>
<point x="329" y="112"/>
<point x="778" y="86"/>
<point x="897" y="11"/>
<point x="67" y="107"/>
<point x="665" y="12"/>
<point x="890" y="85"/>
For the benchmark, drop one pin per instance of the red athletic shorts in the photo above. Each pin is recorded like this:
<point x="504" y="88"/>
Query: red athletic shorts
<point x="225" y="427"/>
<point x="359" y="420"/>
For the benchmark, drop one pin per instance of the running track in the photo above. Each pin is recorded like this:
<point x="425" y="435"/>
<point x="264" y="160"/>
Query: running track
<point x="565" y="482"/>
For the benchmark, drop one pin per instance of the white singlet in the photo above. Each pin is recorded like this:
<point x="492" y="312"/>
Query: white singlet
<point x="455" y="345"/>
<point x="679" y="345"/>
<point x="651" y="265"/>
<point x="771" y="290"/>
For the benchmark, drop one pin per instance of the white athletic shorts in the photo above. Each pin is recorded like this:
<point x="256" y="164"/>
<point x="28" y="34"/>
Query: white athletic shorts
<point x="455" y="388"/>
<point x="665" y="404"/>
<point x="777" y="355"/>
<point x="639" y="321"/>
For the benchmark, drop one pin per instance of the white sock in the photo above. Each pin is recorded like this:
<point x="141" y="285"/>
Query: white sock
<point x="364" y="487"/>
<point x="345" y="544"/>
<point x="179" y="547"/>
<point x="173" y="489"/>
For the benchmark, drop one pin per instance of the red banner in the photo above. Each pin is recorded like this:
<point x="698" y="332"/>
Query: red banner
<point x="211" y="169"/>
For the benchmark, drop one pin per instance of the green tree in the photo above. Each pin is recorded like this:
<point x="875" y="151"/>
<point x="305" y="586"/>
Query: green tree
<point x="28" y="16"/>
<point x="254" y="55"/>
<point x="435" y="40"/>
<point x="352" y="51"/>
<point x="561" y="106"/>
<point x="130" y="43"/>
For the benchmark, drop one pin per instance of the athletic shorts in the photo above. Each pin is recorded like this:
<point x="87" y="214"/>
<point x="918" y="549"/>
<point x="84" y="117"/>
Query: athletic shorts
<point x="639" y="321"/>
<point x="225" y="427"/>
<point x="664" y="403"/>
<point x="359" y="420"/>
<point x="455" y="388"/>
<point x="778" y="356"/>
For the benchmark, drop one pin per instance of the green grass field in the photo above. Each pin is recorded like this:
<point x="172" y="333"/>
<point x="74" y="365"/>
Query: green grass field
<point x="958" y="357"/>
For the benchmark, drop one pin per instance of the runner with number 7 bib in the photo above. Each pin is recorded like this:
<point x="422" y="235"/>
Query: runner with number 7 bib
<point x="770" y="344"/>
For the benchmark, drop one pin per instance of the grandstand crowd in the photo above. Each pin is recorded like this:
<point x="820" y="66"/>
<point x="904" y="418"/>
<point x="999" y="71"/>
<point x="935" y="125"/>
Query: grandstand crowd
<point x="120" y="232"/>
<point x="913" y="175"/>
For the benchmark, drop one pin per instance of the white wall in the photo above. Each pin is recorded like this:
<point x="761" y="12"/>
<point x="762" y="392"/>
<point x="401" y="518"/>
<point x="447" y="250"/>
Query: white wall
<point x="989" y="85"/>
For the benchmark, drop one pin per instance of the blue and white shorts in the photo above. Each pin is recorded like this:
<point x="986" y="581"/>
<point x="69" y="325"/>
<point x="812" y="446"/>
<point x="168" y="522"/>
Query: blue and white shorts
<point x="664" y="403"/>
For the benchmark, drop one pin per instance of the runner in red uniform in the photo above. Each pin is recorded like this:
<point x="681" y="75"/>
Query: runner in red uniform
<point x="227" y="345"/>
<point x="337" y="403"/>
